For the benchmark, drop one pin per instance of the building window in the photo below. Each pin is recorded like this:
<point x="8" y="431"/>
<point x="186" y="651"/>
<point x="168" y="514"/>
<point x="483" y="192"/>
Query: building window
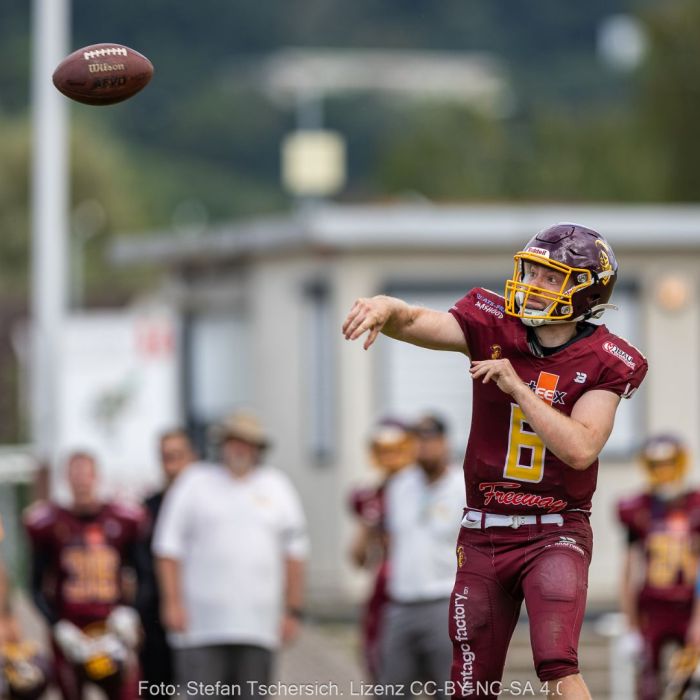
<point x="414" y="381"/>
<point x="629" y="419"/>
<point x="218" y="368"/>
<point x="319" y="371"/>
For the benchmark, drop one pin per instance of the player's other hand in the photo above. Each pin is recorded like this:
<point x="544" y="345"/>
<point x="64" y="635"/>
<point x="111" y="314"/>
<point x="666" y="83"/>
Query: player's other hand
<point x="367" y="316"/>
<point x="499" y="371"/>
<point x="174" y="616"/>
<point x="631" y="644"/>
<point x="291" y="626"/>
<point x="692" y="637"/>
<point x="72" y="641"/>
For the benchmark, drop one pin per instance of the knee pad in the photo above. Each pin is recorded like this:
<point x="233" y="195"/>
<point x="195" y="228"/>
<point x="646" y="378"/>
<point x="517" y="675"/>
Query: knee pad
<point x="561" y="578"/>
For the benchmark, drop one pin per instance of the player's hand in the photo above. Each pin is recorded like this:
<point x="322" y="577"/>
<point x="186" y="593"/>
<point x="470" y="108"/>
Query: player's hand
<point x="367" y="316"/>
<point x="124" y="622"/>
<point x="499" y="371"/>
<point x="291" y="627"/>
<point x="72" y="641"/>
<point x="692" y="637"/>
<point x="174" y="616"/>
<point x="631" y="644"/>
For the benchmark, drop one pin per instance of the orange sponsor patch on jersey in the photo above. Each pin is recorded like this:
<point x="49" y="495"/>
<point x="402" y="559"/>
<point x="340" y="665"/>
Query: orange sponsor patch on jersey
<point x="546" y="387"/>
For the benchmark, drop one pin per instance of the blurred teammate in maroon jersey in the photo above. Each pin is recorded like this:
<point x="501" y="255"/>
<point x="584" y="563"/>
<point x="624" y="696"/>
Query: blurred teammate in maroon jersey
<point x="547" y="384"/>
<point x="392" y="447"/>
<point x="663" y="534"/>
<point x="81" y="556"/>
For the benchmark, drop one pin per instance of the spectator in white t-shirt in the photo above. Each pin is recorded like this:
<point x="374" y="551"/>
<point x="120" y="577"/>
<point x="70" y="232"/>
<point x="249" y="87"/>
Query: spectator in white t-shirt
<point x="423" y="511"/>
<point x="230" y="544"/>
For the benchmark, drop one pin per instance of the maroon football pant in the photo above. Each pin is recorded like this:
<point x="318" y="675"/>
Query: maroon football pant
<point x="498" y="568"/>
<point x="372" y="621"/>
<point x="661" y="622"/>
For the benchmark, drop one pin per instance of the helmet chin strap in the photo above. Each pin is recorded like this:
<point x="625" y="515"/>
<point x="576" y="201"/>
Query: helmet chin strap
<point x="597" y="311"/>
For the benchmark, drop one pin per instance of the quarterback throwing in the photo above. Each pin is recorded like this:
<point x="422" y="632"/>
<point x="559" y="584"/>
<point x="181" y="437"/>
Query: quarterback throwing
<point x="547" y="384"/>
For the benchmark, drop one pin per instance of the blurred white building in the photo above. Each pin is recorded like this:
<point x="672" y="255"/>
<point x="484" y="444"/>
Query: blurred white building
<point x="262" y="303"/>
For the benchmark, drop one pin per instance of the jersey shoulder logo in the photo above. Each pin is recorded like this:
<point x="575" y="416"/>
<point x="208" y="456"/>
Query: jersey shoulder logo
<point x="616" y="351"/>
<point x="487" y="305"/>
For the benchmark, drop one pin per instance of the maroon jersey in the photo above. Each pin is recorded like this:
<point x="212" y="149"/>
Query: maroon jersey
<point x="669" y="535"/>
<point x="507" y="467"/>
<point x="85" y="556"/>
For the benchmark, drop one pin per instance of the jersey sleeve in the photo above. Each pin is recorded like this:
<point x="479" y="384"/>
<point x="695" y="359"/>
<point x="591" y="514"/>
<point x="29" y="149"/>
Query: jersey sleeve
<point x="477" y="312"/>
<point x="38" y="520"/>
<point x="627" y="510"/>
<point x="625" y="368"/>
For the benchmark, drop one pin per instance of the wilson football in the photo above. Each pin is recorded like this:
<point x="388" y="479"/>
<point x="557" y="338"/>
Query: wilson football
<point x="102" y="74"/>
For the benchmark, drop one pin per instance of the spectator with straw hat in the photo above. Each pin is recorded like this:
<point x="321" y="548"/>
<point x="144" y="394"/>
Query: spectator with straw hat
<point x="230" y="544"/>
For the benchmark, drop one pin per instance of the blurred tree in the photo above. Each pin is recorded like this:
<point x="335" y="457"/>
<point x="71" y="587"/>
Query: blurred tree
<point x="670" y="102"/>
<point x="549" y="155"/>
<point x="100" y="175"/>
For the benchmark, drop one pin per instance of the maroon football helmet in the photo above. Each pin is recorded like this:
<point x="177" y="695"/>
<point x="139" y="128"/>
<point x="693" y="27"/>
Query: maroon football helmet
<point x="589" y="269"/>
<point x="665" y="459"/>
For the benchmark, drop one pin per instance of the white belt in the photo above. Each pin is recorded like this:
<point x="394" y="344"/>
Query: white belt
<point x="473" y="519"/>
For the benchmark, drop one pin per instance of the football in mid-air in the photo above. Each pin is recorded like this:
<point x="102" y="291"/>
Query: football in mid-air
<point x="102" y="74"/>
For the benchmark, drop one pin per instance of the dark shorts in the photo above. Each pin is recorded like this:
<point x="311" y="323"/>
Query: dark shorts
<point x="498" y="568"/>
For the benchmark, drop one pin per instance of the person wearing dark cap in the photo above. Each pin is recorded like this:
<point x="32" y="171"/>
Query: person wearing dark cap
<point x="230" y="544"/>
<point x="423" y="504"/>
<point x="176" y="454"/>
<point x="433" y="445"/>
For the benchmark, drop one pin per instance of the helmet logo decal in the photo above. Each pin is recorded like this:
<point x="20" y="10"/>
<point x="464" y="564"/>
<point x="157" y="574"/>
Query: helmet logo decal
<point x="604" y="260"/>
<point x="538" y="251"/>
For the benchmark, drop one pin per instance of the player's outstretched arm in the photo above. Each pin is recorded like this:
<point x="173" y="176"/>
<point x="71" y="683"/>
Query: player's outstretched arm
<point x="436" y="330"/>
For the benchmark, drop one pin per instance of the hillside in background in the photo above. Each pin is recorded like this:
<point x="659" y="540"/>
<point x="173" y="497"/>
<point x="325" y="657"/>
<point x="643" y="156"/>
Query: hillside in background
<point x="196" y="133"/>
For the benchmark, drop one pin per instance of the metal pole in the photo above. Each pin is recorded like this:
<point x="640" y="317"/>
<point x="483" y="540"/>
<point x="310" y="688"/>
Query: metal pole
<point x="49" y="187"/>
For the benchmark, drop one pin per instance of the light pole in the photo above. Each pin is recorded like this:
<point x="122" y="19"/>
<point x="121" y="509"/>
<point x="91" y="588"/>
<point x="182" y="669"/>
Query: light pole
<point x="49" y="197"/>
